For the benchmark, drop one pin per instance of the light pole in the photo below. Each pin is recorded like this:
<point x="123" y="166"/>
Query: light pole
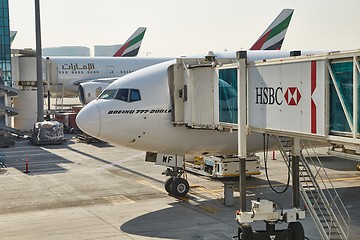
<point x="39" y="79"/>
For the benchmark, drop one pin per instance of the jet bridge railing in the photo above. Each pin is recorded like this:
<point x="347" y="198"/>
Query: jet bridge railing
<point x="325" y="196"/>
<point x="320" y="196"/>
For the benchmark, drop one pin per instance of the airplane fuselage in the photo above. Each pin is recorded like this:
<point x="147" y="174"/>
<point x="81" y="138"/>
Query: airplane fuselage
<point x="73" y="70"/>
<point x="146" y="124"/>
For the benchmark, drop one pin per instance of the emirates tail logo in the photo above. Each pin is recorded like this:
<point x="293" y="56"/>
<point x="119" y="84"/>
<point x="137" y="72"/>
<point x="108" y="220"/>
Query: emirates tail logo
<point x="292" y="96"/>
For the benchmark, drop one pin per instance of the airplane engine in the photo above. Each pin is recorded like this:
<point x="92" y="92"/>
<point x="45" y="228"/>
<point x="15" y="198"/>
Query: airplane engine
<point x="88" y="91"/>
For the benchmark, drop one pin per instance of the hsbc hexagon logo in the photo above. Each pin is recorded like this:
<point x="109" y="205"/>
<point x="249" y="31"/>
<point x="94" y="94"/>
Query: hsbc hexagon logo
<point x="271" y="96"/>
<point x="292" y="96"/>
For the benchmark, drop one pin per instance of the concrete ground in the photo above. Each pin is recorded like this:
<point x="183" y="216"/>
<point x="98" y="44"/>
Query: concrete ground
<point x="98" y="191"/>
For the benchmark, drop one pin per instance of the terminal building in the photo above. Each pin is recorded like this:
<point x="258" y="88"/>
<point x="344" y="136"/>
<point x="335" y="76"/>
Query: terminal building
<point x="67" y="51"/>
<point x="80" y="51"/>
<point x="5" y="52"/>
<point x="6" y="83"/>
<point x="106" y="50"/>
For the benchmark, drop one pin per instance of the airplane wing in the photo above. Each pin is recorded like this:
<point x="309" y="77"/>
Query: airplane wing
<point x="132" y="45"/>
<point x="274" y="35"/>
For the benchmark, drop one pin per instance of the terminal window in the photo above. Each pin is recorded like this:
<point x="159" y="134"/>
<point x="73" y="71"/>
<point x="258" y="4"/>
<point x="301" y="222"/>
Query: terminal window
<point x="5" y="54"/>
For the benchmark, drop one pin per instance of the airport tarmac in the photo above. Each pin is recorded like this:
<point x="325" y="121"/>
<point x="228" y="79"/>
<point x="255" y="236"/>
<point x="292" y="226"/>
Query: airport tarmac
<point x="98" y="191"/>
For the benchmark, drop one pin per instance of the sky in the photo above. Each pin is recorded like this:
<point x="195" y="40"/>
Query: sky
<point x="186" y="27"/>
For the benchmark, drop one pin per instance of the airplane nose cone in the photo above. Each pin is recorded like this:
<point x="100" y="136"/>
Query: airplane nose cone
<point x="88" y="119"/>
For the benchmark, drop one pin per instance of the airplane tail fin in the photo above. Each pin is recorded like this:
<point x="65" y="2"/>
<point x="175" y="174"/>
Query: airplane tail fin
<point x="274" y="35"/>
<point x="132" y="45"/>
<point x="12" y="36"/>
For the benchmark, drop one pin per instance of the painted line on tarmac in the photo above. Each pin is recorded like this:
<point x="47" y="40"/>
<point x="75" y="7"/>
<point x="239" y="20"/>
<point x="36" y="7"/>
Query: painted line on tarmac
<point x="266" y="186"/>
<point x="206" y="190"/>
<point x="148" y="184"/>
<point x="342" y="179"/>
<point x="197" y="201"/>
<point x="121" y="161"/>
<point x="216" y="192"/>
<point x="119" y="200"/>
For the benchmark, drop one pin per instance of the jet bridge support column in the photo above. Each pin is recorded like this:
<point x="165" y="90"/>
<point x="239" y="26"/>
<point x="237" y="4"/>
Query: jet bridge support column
<point x="242" y="75"/>
<point x="262" y="209"/>
<point x="295" y="172"/>
<point x="242" y="183"/>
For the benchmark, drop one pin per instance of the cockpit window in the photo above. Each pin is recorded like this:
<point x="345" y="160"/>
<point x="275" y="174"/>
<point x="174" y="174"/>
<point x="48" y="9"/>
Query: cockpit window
<point x="134" y="95"/>
<point x="108" y="94"/>
<point x="122" y="95"/>
<point x="127" y="95"/>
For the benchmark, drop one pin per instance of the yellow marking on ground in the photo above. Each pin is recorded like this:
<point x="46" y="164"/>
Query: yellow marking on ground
<point x="266" y="185"/>
<point x="184" y="199"/>
<point x="343" y="179"/>
<point x="201" y="205"/>
<point x="146" y="183"/>
<point x="208" y="208"/>
<point x="204" y="189"/>
<point x="216" y="192"/>
<point x="237" y="175"/>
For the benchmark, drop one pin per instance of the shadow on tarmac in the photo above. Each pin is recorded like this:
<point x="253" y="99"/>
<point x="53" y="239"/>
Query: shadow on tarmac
<point x="191" y="218"/>
<point x="332" y="162"/>
<point x="40" y="160"/>
<point x="183" y="220"/>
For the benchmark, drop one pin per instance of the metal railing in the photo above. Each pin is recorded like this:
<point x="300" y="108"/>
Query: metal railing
<point x="321" y="198"/>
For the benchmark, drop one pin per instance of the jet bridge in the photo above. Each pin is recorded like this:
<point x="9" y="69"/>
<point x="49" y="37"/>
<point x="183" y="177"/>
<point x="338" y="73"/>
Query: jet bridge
<point x="314" y="97"/>
<point x="309" y="99"/>
<point x="318" y="91"/>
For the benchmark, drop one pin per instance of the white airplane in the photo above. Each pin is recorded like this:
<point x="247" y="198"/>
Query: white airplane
<point x="72" y="72"/>
<point x="136" y="111"/>
<point x="271" y="39"/>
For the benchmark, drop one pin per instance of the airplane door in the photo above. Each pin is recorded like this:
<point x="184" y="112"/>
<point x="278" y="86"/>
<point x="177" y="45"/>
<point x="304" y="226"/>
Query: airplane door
<point x="110" y="71"/>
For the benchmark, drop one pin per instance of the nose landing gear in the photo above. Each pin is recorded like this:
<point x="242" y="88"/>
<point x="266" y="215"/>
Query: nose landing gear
<point x="176" y="185"/>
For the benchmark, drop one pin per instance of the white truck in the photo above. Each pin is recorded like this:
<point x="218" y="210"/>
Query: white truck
<point x="223" y="166"/>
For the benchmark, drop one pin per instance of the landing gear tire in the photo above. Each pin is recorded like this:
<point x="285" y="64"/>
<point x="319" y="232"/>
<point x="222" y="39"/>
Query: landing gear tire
<point x="245" y="232"/>
<point x="168" y="183"/>
<point x="179" y="187"/>
<point x="297" y="231"/>
<point x="358" y="167"/>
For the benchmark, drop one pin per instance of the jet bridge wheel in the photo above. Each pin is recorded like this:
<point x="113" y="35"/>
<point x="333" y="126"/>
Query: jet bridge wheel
<point x="245" y="232"/>
<point x="297" y="231"/>
<point x="179" y="187"/>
